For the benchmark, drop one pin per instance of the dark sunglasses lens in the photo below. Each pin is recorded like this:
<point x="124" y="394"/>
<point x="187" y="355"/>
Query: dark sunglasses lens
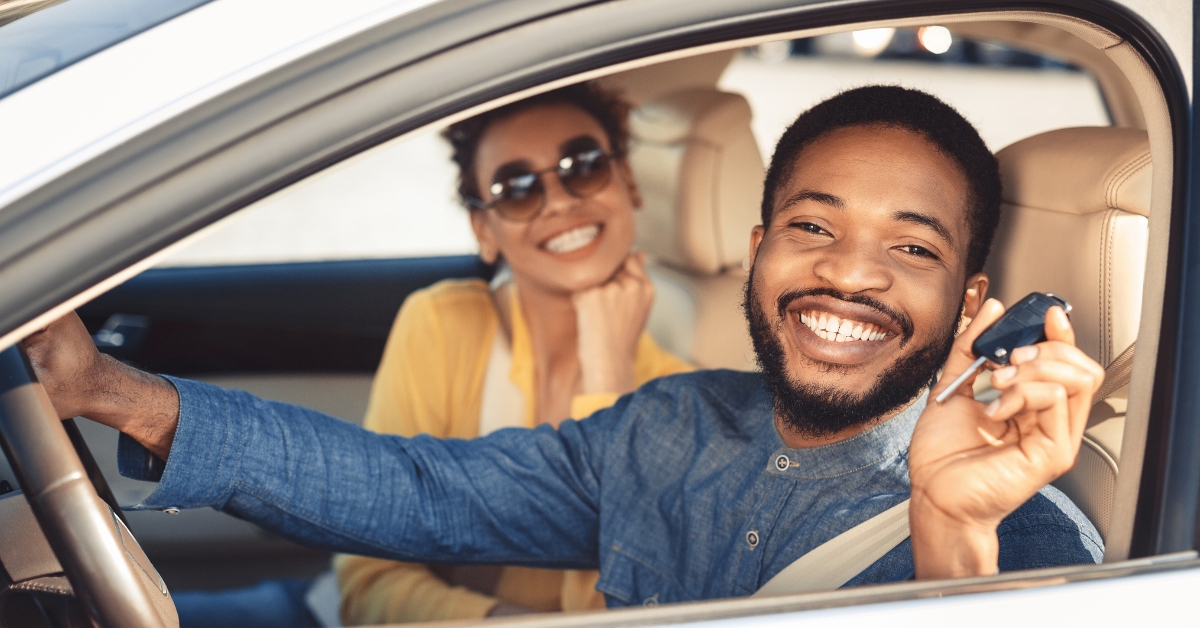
<point x="518" y="197"/>
<point x="589" y="173"/>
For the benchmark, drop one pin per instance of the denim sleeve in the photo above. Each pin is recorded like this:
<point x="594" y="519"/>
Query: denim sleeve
<point x="1048" y="531"/>
<point x="517" y="496"/>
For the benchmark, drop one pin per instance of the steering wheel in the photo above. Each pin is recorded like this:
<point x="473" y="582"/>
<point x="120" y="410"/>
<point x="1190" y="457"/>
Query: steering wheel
<point x="106" y="567"/>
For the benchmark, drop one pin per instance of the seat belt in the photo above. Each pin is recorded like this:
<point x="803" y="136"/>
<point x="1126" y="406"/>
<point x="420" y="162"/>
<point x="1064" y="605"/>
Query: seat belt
<point x="1116" y="374"/>
<point x="838" y="560"/>
<point x="844" y="556"/>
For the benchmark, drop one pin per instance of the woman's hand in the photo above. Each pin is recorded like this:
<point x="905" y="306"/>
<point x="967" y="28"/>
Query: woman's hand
<point x="971" y="465"/>
<point x="610" y="319"/>
<point x="81" y="381"/>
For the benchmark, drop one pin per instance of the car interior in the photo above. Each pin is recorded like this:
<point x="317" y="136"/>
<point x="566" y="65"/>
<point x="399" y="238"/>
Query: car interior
<point x="1085" y="216"/>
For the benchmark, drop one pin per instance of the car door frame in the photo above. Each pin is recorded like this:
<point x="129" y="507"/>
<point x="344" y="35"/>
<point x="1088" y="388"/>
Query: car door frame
<point x="449" y="58"/>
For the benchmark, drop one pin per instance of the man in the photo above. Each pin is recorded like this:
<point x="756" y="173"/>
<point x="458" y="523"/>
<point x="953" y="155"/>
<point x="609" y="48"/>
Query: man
<point x="878" y="212"/>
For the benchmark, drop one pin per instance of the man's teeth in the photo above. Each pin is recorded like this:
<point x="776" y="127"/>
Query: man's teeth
<point x="829" y="327"/>
<point x="573" y="239"/>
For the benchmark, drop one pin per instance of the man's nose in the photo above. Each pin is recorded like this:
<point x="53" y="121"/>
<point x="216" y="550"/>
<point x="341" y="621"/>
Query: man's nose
<point x="851" y="267"/>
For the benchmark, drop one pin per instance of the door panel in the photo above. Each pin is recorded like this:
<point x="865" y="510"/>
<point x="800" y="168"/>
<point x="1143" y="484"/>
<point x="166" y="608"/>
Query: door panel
<point x="309" y="334"/>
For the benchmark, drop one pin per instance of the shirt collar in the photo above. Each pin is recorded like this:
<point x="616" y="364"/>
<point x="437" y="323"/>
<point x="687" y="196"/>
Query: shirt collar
<point x="867" y="449"/>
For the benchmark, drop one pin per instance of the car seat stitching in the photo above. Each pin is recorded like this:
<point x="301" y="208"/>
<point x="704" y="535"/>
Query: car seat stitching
<point x="1122" y="176"/>
<point x="1109" y="264"/>
<point x="1105" y="292"/>
<point x="1114" y="181"/>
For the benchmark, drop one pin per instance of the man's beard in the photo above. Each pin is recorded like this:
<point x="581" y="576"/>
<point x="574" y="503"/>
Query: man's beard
<point x="818" y="411"/>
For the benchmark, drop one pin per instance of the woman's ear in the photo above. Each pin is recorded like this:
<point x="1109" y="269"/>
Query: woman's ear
<point x="635" y="195"/>
<point x="489" y="251"/>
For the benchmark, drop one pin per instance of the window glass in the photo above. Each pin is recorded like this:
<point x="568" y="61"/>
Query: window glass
<point x="39" y="44"/>
<point x="1007" y="94"/>
<point x="398" y="200"/>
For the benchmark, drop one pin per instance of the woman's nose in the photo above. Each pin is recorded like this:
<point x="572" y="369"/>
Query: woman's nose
<point x="558" y="198"/>
<point x="852" y="267"/>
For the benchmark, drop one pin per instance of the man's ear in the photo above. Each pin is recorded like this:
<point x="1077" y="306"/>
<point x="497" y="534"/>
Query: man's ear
<point x="756" y="236"/>
<point x="973" y="298"/>
<point x="489" y="252"/>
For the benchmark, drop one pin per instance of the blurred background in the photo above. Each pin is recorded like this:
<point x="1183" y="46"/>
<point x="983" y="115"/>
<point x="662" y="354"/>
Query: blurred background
<point x="398" y="199"/>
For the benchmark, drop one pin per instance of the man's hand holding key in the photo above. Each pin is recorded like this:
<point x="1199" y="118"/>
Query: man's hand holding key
<point x="972" y="464"/>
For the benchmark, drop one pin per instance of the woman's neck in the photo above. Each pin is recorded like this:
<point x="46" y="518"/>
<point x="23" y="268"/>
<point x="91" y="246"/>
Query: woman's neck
<point x="553" y="337"/>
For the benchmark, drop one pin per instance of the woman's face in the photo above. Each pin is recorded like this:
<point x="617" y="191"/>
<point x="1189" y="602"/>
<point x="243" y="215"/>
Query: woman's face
<point x="574" y="243"/>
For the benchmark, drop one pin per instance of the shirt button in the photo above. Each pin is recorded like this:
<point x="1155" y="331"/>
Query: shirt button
<point x="782" y="463"/>
<point x="752" y="539"/>
<point x="651" y="601"/>
<point x="171" y="510"/>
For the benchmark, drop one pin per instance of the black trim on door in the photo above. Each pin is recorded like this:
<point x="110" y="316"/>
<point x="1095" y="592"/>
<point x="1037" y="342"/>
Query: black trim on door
<point x="298" y="317"/>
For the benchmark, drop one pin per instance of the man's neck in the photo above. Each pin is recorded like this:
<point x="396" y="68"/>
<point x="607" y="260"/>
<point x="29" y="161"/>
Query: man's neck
<point x="795" y="440"/>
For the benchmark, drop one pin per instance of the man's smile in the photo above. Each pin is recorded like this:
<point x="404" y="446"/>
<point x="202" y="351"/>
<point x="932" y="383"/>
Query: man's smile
<point x="830" y="327"/>
<point x="831" y="330"/>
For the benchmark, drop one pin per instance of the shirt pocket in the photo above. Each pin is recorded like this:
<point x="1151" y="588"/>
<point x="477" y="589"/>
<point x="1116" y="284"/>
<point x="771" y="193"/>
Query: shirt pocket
<point x="630" y="579"/>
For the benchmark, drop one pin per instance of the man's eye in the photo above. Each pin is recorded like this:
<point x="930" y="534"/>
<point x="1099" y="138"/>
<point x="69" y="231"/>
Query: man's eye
<point x="919" y="251"/>
<point x="809" y="227"/>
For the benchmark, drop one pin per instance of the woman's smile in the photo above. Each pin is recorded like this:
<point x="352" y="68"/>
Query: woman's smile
<point x="574" y="239"/>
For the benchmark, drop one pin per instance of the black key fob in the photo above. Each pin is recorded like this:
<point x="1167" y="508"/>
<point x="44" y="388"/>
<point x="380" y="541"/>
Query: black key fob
<point x="1022" y="324"/>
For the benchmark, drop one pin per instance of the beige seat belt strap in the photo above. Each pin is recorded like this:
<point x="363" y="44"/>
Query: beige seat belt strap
<point x="1116" y="374"/>
<point x="844" y="556"/>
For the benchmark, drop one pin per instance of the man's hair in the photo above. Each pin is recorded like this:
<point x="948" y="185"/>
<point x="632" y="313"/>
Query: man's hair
<point x="913" y="110"/>
<point x="605" y="106"/>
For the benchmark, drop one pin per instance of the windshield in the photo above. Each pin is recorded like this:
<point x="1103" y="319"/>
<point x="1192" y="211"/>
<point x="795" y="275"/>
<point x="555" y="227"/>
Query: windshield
<point x="49" y="40"/>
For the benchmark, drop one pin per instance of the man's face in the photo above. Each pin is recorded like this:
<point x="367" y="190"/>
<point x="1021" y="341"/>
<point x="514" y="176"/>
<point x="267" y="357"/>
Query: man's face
<point x="858" y="281"/>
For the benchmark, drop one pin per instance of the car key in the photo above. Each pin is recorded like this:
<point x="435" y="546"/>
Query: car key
<point x="1022" y="324"/>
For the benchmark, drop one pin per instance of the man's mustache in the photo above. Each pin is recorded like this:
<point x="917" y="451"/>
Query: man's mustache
<point x="902" y="321"/>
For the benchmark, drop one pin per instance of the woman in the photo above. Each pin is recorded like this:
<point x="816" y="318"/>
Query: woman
<point x="551" y="195"/>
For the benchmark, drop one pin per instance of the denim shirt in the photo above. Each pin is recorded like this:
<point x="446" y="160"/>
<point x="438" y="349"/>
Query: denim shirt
<point x="681" y="491"/>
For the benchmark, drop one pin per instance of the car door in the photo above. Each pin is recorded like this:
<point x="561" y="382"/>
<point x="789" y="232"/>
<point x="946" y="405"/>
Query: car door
<point x="469" y="56"/>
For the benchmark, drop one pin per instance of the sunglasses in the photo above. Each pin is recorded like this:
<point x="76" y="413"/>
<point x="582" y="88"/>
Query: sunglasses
<point x="519" y="195"/>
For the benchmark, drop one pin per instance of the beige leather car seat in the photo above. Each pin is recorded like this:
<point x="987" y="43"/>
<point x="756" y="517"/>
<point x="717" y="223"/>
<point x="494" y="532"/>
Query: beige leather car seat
<point x="700" y="173"/>
<point x="1074" y="223"/>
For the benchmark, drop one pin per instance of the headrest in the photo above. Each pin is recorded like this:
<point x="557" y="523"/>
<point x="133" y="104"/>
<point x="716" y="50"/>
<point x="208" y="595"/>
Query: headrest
<point x="1079" y="171"/>
<point x="700" y="174"/>
<point x="1074" y="223"/>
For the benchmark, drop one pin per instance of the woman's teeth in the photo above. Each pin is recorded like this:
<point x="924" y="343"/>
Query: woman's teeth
<point x="573" y="239"/>
<point x="829" y="327"/>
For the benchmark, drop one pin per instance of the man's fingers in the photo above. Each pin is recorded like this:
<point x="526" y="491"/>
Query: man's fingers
<point x="1075" y="379"/>
<point x="961" y="358"/>
<point x="1058" y="326"/>
<point x="1058" y="351"/>
<point x="1036" y="406"/>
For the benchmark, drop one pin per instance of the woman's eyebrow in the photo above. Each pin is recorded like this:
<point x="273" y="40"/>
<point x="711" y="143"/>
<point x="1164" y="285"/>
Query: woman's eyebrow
<point x="510" y="168"/>
<point x="574" y="143"/>
<point x="928" y="221"/>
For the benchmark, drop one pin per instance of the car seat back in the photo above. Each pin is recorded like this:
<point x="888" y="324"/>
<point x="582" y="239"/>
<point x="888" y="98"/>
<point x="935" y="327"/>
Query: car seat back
<point x="1073" y="222"/>
<point x="700" y="174"/>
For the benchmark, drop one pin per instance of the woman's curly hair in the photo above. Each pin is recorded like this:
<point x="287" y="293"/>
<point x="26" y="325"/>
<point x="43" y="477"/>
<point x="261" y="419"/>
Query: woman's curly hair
<point x="605" y="106"/>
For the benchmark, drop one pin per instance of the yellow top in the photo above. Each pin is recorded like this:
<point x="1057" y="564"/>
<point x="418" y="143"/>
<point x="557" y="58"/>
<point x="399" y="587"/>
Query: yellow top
<point x="430" y="381"/>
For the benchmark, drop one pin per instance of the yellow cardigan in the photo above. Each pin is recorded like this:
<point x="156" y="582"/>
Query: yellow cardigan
<point x="430" y="381"/>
